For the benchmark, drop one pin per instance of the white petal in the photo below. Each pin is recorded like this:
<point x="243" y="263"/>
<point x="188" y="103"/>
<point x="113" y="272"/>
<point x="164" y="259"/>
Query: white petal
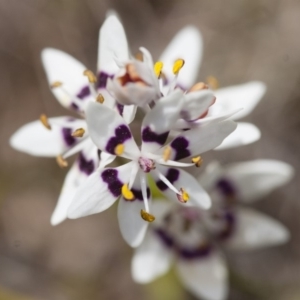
<point x="106" y="159"/>
<point x="151" y="260"/>
<point x="206" y="278"/>
<point x="255" y="179"/>
<point x="160" y="208"/>
<point x="33" y="138"/>
<point x="99" y="191"/>
<point x="199" y="140"/>
<point x="187" y="44"/>
<point x="182" y="179"/>
<point x="107" y="129"/>
<point x="60" y="66"/>
<point x="159" y="121"/>
<point x="255" y="230"/>
<point x="245" y="95"/>
<point x="112" y="45"/>
<point x="129" y="112"/>
<point x="245" y="133"/>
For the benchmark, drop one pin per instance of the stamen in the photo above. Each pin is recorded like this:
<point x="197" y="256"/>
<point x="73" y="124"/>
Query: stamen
<point x="44" y="121"/>
<point x="158" y="68"/>
<point x="146" y="216"/>
<point x="100" y="98"/>
<point x="127" y="193"/>
<point x="55" y="84"/>
<point x="139" y="56"/>
<point x="167" y="153"/>
<point x="197" y="161"/>
<point x="61" y="162"/>
<point x="198" y="87"/>
<point x="178" y="64"/>
<point x="90" y="75"/>
<point x="119" y="149"/>
<point x="132" y="72"/>
<point x="183" y="197"/>
<point x="78" y="132"/>
<point x="167" y="182"/>
<point x="213" y="82"/>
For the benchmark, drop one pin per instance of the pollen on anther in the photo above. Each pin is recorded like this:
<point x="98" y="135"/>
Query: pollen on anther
<point x="55" y="84"/>
<point x="158" y="66"/>
<point x="90" y="75"/>
<point x="78" y="132"/>
<point x="100" y="98"/>
<point x="127" y="193"/>
<point x="197" y="161"/>
<point x="146" y="216"/>
<point x="167" y="153"/>
<point x="178" y="64"/>
<point x="44" y="121"/>
<point x="61" y="161"/>
<point x="183" y="197"/>
<point x="212" y="82"/>
<point x="119" y="149"/>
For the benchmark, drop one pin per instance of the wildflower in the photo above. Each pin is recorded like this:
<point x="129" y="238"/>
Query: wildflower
<point x="111" y="134"/>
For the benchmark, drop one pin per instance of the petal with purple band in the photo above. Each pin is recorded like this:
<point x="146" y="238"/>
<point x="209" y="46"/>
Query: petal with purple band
<point x="62" y="67"/>
<point x="99" y="191"/>
<point x="160" y="120"/>
<point x="107" y="129"/>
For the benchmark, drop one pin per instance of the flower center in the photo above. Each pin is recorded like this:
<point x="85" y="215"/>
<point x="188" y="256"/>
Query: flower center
<point x="146" y="164"/>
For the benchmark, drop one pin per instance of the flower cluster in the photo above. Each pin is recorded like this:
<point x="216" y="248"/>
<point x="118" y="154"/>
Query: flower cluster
<point x="182" y="119"/>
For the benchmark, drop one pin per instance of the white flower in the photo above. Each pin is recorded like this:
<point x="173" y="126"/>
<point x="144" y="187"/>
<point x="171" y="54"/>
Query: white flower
<point x="65" y="136"/>
<point x="111" y="134"/>
<point x="189" y="236"/>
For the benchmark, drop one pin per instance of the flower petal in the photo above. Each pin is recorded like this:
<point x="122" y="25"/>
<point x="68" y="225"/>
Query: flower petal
<point x="99" y="191"/>
<point x="245" y="95"/>
<point x="64" y="68"/>
<point x="206" y="278"/>
<point x="151" y="260"/>
<point x="255" y="230"/>
<point x="34" y="139"/>
<point x="181" y="179"/>
<point x="159" y="121"/>
<point x="245" y="133"/>
<point x="107" y="129"/>
<point x="187" y="44"/>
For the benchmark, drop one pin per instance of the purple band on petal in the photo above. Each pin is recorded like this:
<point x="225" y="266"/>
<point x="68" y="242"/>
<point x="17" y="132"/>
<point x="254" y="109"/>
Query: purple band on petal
<point x="165" y="237"/>
<point x="229" y="226"/>
<point x="120" y="108"/>
<point x="180" y="146"/>
<point x="138" y="194"/>
<point x="67" y="136"/>
<point x="110" y="176"/>
<point x="86" y="166"/>
<point x="84" y="92"/>
<point x="196" y="252"/>
<point x="122" y="133"/>
<point x="172" y="176"/>
<point x="226" y="187"/>
<point x="102" y="80"/>
<point x="150" y="136"/>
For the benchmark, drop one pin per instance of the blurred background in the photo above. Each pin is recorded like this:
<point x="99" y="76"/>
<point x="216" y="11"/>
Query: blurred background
<point x="86" y="258"/>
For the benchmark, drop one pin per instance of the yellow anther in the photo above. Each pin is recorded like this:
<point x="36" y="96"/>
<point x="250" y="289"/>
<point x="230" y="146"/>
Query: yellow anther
<point x="100" y="98"/>
<point x="183" y="197"/>
<point x="127" y="193"/>
<point x="78" y="132"/>
<point x="56" y="84"/>
<point x="158" y="68"/>
<point x="61" y="162"/>
<point x="167" y="153"/>
<point x="119" y="149"/>
<point x="90" y="75"/>
<point x="44" y="121"/>
<point x="146" y="216"/>
<point x="198" y="87"/>
<point x="178" y="64"/>
<point x="212" y="82"/>
<point x="197" y="161"/>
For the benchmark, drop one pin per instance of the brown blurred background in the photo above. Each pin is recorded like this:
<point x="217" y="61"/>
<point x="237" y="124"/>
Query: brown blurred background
<point x="87" y="259"/>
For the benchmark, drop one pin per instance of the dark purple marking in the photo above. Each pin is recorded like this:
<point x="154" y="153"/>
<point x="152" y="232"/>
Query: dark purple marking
<point x="110" y="176"/>
<point x="85" y="166"/>
<point x="74" y="106"/>
<point x="226" y="187"/>
<point x="150" y="136"/>
<point x="84" y="92"/>
<point x="138" y="194"/>
<point x="197" y="252"/>
<point x="172" y="176"/>
<point x="165" y="237"/>
<point x="229" y="226"/>
<point x="180" y="145"/>
<point x="122" y="133"/>
<point x="68" y="138"/>
<point x="102" y="79"/>
<point x="120" y="108"/>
